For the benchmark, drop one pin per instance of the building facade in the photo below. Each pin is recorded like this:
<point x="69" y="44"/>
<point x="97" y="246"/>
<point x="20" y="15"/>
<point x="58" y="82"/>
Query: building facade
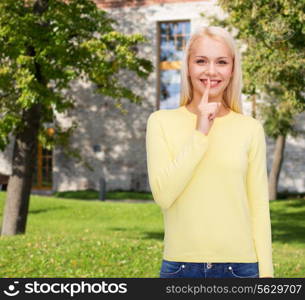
<point x="113" y="144"/>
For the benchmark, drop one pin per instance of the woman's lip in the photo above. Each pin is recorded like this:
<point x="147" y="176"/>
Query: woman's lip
<point x="213" y="83"/>
<point x="210" y="79"/>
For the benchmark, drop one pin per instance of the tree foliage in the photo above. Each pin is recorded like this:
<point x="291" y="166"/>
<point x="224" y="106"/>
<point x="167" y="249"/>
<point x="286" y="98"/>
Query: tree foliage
<point x="41" y="52"/>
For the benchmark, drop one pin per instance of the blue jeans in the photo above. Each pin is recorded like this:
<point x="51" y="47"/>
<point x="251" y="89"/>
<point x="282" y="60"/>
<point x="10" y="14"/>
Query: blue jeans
<point x="174" y="269"/>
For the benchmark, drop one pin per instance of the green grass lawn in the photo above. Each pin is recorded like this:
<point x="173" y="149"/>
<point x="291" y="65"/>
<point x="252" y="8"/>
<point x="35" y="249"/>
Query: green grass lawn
<point x="94" y="195"/>
<point x="81" y="238"/>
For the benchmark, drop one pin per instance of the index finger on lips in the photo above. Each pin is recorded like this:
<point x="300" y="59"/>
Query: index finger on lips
<point x="205" y="97"/>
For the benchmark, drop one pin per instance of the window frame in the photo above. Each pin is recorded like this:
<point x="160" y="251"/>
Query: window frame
<point x="165" y="65"/>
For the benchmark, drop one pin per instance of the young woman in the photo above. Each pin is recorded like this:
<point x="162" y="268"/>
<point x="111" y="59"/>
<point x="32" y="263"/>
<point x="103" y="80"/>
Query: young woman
<point x="207" y="170"/>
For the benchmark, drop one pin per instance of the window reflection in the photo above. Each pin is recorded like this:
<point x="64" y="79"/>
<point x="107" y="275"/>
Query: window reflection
<point x="173" y="38"/>
<point x="170" y="89"/>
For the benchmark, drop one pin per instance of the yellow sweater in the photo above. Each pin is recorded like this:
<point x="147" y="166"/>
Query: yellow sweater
<point x="212" y="189"/>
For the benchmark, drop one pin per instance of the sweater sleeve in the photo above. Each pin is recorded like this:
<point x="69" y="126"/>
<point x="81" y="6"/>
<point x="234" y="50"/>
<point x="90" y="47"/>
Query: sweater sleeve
<point x="167" y="175"/>
<point x="258" y="197"/>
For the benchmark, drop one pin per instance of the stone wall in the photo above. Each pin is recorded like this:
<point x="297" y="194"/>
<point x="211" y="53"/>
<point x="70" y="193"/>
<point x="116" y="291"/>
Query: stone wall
<point x="104" y="4"/>
<point x="113" y="143"/>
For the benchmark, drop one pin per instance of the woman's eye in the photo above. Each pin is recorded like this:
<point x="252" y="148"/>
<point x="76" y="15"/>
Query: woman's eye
<point x="223" y="62"/>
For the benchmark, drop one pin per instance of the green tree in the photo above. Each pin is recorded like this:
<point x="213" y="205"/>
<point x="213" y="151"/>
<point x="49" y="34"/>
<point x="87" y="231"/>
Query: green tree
<point x="273" y="65"/>
<point x="44" y="45"/>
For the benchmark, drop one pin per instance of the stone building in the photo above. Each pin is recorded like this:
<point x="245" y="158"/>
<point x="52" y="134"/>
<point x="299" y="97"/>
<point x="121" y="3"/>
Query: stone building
<point x="113" y="144"/>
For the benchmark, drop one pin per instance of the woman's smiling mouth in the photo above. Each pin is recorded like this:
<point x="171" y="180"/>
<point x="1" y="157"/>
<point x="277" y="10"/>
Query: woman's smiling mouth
<point x="214" y="83"/>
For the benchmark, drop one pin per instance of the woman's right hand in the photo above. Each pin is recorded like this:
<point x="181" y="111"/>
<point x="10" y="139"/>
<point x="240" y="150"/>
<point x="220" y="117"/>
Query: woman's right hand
<point x="206" y="111"/>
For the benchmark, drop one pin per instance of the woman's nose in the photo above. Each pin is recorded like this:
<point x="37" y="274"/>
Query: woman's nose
<point x="211" y="69"/>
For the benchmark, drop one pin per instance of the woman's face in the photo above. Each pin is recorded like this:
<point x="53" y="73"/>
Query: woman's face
<point x="210" y="58"/>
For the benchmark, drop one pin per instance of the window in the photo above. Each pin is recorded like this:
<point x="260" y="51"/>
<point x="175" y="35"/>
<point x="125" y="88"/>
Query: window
<point x="173" y="37"/>
<point x="43" y="169"/>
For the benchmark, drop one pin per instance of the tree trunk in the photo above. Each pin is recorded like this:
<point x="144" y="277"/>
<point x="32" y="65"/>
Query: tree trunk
<point x="20" y="182"/>
<point x="253" y="105"/>
<point x="24" y="156"/>
<point x="276" y="166"/>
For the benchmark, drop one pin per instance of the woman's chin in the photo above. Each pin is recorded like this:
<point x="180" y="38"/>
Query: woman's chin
<point x="213" y="93"/>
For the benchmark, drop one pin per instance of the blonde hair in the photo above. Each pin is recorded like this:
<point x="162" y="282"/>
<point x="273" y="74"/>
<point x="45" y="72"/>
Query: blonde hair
<point x="232" y="93"/>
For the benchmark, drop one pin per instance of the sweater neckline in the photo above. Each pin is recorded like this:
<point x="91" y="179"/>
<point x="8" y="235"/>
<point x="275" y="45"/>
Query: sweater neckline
<point x="217" y="119"/>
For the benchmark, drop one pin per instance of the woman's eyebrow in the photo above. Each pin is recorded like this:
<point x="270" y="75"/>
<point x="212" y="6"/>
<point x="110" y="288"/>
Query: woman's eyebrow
<point x="207" y="57"/>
